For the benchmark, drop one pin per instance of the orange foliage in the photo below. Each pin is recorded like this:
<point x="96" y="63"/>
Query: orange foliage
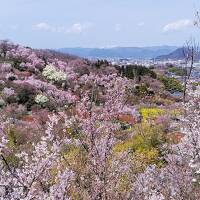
<point x="22" y="75"/>
<point x="27" y="118"/>
<point x="126" y="118"/>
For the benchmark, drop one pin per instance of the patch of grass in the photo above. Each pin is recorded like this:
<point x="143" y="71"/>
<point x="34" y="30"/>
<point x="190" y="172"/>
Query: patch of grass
<point x="144" y="145"/>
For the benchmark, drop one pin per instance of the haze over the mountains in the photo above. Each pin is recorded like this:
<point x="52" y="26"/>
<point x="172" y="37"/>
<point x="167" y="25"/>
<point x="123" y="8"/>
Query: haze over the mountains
<point x="120" y="52"/>
<point x="177" y="54"/>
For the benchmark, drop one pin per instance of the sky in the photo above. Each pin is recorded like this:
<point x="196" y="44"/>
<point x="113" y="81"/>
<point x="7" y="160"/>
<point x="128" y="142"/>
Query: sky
<point x="98" y="23"/>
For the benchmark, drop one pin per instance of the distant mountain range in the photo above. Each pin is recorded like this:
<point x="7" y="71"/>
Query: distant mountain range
<point x="178" y="54"/>
<point x="175" y="55"/>
<point x="120" y="52"/>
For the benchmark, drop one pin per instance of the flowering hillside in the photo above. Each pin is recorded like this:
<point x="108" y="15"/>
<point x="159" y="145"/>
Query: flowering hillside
<point x="81" y="130"/>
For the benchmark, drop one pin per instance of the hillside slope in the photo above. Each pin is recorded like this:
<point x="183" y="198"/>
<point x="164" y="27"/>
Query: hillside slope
<point x="120" y="52"/>
<point x="178" y="54"/>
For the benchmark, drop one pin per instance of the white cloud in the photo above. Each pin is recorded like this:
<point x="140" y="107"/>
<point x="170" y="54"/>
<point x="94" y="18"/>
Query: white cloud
<point x="140" y="24"/>
<point x="44" y="27"/>
<point x="78" y="28"/>
<point x="117" y="27"/>
<point x="178" y="25"/>
<point x="74" y="28"/>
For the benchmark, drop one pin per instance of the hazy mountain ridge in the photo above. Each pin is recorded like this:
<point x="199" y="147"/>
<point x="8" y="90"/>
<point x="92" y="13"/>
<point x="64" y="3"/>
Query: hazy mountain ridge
<point x="120" y="52"/>
<point x="178" y="54"/>
<point x="175" y="55"/>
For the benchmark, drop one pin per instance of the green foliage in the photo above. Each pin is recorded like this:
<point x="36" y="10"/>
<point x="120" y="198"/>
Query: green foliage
<point x="196" y="84"/>
<point x="158" y="100"/>
<point x="14" y="138"/>
<point x="2" y="103"/>
<point x="171" y="84"/>
<point x="2" y="86"/>
<point x="51" y="106"/>
<point x="125" y="126"/>
<point x="175" y="113"/>
<point x="136" y="71"/>
<point x="11" y="160"/>
<point x="74" y="157"/>
<point x="26" y="95"/>
<point x="11" y="99"/>
<point x="142" y="90"/>
<point x="144" y="144"/>
<point x="100" y="63"/>
<point x="177" y="71"/>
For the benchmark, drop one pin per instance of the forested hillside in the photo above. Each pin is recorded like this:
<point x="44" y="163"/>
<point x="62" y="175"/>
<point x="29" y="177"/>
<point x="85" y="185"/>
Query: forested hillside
<point x="75" y="129"/>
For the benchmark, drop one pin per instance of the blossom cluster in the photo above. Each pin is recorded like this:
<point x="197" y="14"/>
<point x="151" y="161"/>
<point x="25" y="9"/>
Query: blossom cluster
<point x="52" y="74"/>
<point x="41" y="99"/>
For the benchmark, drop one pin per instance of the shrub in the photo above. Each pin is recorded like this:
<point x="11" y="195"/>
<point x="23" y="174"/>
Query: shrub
<point x="11" y="99"/>
<point x="15" y="138"/>
<point x="143" y="90"/>
<point x="2" y="103"/>
<point x="41" y="100"/>
<point x="12" y="78"/>
<point x="51" y="73"/>
<point x="136" y="71"/>
<point x="2" y="85"/>
<point x="12" y="160"/>
<point x="144" y="147"/>
<point x="196" y="84"/>
<point x="177" y="71"/>
<point x="26" y="95"/>
<point x="51" y="105"/>
<point x="171" y="84"/>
